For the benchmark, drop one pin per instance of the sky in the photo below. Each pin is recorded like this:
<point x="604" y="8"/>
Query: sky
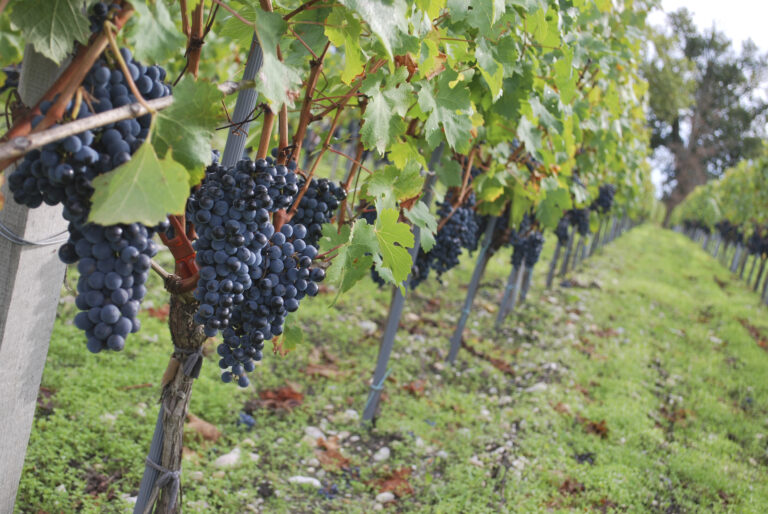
<point x="738" y="19"/>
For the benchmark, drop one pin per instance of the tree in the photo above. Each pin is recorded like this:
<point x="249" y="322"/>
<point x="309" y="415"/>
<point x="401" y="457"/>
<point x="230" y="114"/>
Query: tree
<point x="706" y="110"/>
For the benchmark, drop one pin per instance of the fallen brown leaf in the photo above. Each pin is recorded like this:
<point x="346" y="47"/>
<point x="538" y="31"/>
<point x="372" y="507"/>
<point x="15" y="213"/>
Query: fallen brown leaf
<point x="761" y="340"/>
<point x="322" y="370"/>
<point x="206" y="430"/>
<point x="416" y="387"/>
<point x="499" y="364"/>
<point x="329" y="455"/>
<point x="599" y="428"/>
<point x="284" y="398"/>
<point x="571" y="487"/>
<point x="396" y="482"/>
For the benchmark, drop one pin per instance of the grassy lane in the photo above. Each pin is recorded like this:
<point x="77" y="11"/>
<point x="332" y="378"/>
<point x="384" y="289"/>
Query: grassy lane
<point x="637" y="389"/>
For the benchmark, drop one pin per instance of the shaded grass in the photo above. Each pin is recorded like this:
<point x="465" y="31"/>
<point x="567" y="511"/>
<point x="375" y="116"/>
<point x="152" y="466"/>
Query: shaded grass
<point x="643" y="395"/>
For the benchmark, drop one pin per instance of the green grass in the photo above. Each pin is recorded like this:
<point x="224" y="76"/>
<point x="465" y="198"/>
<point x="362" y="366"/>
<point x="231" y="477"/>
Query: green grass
<point x="650" y="349"/>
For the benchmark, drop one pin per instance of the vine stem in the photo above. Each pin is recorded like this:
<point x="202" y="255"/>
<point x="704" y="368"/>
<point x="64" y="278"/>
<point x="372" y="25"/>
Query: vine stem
<point x="266" y="133"/>
<point x="124" y="66"/>
<point x="234" y="13"/>
<point x="305" y="118"/>
<point x="21" y="145"/>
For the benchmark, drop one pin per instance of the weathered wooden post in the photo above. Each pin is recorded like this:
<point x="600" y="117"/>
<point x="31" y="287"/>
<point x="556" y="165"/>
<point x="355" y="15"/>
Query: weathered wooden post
<point x="30" y="281"/>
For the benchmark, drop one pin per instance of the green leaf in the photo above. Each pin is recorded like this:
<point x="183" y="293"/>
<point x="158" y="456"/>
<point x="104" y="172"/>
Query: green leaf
<point x="447" y="109"/>
<point x="394" y="239"/>
<point x="388" y="21"/>
<point x="355" y="257"/>
<point x="275" y="79"/>
<point x="292" y="335"/>
<point x="403" y="152"/>
<point x="235" y="30"/>
<point x="156" y="37"/>
<point x="52" y="26"/>
<point x="529" y="134"/>
<point x="483" y="14"/>
<point x="394" y="184"/>
<point x="187" y="126"/>
<point x="421" y="217"/>
<point x="491" y="70"/>
<point x="144" y="189"/>
<point x="556" y="201"/>
<point x="387" y="106"/>
<point x="343" y="30"/>
<point x="450" y="173"/>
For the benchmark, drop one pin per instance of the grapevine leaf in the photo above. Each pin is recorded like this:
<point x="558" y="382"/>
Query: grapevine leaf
<point x="447" y="108"/>
<point x="388" y="21"/>
<point x="403" y="152"/>
<point x="276" y="79"/>
<point x="394" y="238"/>
<point x="450" y="174"/>
<point x="386" y="108"/>
<point x="420" y="216"/>
<point x="483" y="14"/>
<point x="145" y="189"/>
<point x="355" y="257"/>
<point x="393" y="184"/>
<point x="187" y="126"/>
<point x="292" y="335"/>
<point x="235" y="30"/>
<point x="491" y="70"/>
<point x="556" y="201"/>
<point x="342" y="29"/>
<point x="529" y="134"/>
<point x="156" y="37"/>
<point x="52" y="26"/>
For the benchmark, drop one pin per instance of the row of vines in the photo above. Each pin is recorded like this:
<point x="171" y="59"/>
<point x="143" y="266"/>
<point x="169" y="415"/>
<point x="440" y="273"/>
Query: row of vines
<point x="729" y="217"/>
<point x="520" y="118"/>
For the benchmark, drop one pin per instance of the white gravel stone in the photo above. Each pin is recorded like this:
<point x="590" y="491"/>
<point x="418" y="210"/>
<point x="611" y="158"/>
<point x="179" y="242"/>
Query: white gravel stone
<point x="385" y="497"/>
<point x="368" y="327"/>
<point x="535" y="388"/>
<point x="197" y="476"/>
<point x="381" y="455"/>
<point x="305" y="481"/>
<point x="228" y="460"/>
<point x="314" y="432"/>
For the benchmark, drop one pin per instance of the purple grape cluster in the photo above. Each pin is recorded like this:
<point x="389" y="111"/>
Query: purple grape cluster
<point x="251" y="276"/>
<point x="318" y="206"/>
<point x="113" y="261"/>
<point x="460" y="232"/>
<point x="604" y="200"/>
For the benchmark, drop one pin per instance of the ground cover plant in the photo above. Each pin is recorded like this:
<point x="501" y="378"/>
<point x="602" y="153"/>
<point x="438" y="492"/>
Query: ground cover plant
<point x="615" y="394"/>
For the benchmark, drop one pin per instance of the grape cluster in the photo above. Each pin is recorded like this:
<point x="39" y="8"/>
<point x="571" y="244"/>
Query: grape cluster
<point x="533" y="245"/>
<point x="251" y="276"/>
<point x="561" y="231"/>
<point x="318" y="206"/>
<point x="458" y="233"/>
<point x="518" y="250"/>
<point x="730" y="232"/>
<point x="604" y="200"/>
<point x="114" y="261"/>
<point x="580" y="219"/>
<point x="99" y="14"/>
